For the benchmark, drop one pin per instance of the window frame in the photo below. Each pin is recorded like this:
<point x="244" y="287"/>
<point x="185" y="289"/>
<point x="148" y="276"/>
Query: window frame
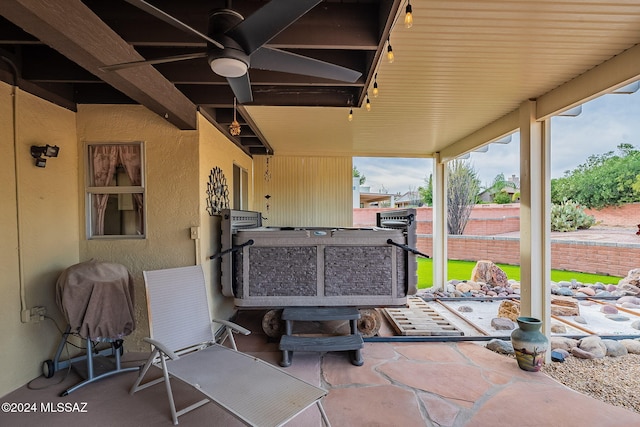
<point x="90" y="191"/>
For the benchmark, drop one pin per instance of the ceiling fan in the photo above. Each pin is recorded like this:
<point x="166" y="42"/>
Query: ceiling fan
<point x="235" y="44"/>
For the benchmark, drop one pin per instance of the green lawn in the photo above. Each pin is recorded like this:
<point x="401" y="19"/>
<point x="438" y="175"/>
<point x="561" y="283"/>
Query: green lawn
<point x="461" y="270"/>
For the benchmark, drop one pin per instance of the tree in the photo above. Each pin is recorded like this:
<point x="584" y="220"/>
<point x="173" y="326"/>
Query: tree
<point x="357" y="174"/>
<point x="462" y="191"/>
<point x="426" y="193"/>
<point x="603" y="180"/>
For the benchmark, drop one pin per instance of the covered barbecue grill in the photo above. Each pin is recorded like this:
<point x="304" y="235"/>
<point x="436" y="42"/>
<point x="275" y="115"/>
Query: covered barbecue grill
<point x="96" y="299"/>
<point x="278" y="267"/>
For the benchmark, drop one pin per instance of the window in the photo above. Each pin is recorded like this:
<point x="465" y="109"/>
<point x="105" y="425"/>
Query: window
<point x="115" y="190"/>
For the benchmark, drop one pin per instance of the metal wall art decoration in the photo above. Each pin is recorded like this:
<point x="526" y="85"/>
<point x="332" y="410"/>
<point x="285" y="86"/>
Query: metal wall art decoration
<point x="217" y="192"/>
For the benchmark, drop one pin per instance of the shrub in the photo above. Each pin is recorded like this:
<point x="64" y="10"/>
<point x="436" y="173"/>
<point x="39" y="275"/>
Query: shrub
<point x="570" y="216"/>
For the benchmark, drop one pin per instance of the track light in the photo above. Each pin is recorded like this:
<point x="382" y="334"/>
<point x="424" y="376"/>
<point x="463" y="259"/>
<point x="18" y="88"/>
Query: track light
<point x="375" y="86"/>
<point x="390" y="57"/>
<point x="350" y="117"/>
<point x="408" y="16"/>
<point x="368" y="104"/>
<point x="47" y="150"/>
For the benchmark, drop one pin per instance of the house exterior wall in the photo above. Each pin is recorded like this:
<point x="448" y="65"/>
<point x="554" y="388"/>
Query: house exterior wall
<point x="304" y="191"/>
<point x="42" y="217"/>
<point x="216" y="151"/>
<point x="39" y="228"/>
<point x="171" y="202"/>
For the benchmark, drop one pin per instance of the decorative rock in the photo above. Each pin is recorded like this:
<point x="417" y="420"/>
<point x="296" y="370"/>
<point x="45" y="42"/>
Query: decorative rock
<point x="587" y="291"/>
<point x="557" y="328"/>
<point x="556" y="356"/>
<point x="616" y="317"/>
<point x="564" y="306"/>
<point x="487" y="272"/>
<point x="465" y="309"/>
<point x="633" y="278"/>
<point x="608" y="309"/>
<point x="628" y="299"/>
<point x="563" y="352"/>
<point x="611" y="288"/>
<point x="562" y="343"/>
<point x="500" y="346"/>
<point x="581" y="354"/>
<point x="587" y="303"/>
<point x="502" y="324"/>
<point x="564" y="284"/>
<point x="564" y="292"/>
<point x="615" y="348"/>
<point x="632" y="346"/>
<point x="509" y="310"/>
<point x="603" y="294"/>
<point x="628" y="289"/>
<point x="579" y="319"/>
<point x="593" y="344"/>
<point x="636" y="325"/>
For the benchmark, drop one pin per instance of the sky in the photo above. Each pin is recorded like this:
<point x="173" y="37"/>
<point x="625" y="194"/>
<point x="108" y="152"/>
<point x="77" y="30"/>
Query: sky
<point x="604" y="123"/>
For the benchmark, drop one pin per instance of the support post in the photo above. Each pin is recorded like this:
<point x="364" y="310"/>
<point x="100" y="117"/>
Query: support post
<point x="440" y="229"/>
<point x="535" y="216"/>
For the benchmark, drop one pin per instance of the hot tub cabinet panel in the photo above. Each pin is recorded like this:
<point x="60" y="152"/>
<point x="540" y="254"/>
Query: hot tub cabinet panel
<point x="320" y="267"/>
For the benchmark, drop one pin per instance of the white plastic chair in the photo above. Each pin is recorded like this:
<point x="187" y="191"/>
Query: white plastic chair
<point x="184" y="347"/>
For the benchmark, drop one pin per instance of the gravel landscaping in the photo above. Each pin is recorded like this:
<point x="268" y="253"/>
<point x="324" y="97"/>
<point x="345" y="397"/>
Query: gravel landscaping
<point x="610" y="379"/>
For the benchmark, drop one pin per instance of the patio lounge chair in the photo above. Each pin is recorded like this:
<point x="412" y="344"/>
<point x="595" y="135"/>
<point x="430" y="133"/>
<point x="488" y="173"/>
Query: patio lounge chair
<point x="184" y="346"/>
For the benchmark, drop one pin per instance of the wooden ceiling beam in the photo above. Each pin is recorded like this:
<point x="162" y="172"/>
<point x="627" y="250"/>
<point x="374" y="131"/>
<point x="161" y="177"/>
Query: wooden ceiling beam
<point x="75" y="31"/>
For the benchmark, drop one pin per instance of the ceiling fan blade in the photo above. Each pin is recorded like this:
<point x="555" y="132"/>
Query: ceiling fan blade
<point x="160" y="14"/>
<point x="241" y="87"/>
<point x="265" y="23"/>
<point x="163" y="60"/>
<point x="280" y="60"/>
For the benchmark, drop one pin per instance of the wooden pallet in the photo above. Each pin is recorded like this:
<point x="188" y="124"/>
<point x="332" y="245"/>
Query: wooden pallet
<point x="418" y="318"/>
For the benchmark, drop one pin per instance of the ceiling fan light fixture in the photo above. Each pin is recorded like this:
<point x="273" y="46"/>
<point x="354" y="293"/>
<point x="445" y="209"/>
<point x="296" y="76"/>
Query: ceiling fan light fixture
<point x="229" y="67"/>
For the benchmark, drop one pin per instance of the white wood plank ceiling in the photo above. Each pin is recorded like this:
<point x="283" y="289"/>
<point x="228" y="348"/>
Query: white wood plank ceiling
<point x="463" y="65"/>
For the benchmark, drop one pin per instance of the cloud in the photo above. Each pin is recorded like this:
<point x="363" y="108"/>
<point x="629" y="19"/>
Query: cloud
<point x="605" y="123"/>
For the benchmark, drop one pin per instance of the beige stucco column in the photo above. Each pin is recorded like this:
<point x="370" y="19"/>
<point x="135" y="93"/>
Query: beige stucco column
<point x="535" y="214"/>
<point x="440" y="231"/>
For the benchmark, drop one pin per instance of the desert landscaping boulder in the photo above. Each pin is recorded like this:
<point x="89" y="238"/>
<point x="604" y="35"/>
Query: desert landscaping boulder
<point x="563" y="343"/>
<point x="633" y="278"/>
<point x="509" y="310"/>
<point x="593" y="345"/>
<point x="615" y="348"/>
<point x="489" y="273"/>
<point x="564" y="306"/>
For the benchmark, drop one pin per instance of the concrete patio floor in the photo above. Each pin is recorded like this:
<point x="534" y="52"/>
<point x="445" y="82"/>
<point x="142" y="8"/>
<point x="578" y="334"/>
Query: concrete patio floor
<point x="400" y="384"/>
<point x="435" y="384"/>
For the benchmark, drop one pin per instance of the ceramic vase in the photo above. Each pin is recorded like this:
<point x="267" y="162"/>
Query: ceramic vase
<point x="529" y="344"/>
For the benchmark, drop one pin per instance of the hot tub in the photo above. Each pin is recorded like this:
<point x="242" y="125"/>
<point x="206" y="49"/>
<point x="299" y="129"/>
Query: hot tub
<point x="277" y="267"/>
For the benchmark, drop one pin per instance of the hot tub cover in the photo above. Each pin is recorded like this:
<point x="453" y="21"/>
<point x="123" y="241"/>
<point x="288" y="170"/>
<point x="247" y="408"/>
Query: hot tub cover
<point x="97" y="299"/>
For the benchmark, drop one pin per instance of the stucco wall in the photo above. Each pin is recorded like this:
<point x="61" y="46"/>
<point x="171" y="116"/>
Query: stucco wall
<point x="171" y="159"/>
<point x="39" y="229"/>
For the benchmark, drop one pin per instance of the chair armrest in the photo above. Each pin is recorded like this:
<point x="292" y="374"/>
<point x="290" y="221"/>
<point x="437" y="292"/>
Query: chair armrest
<point x="161" y="347"/>
<point x="232" y="326"/>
